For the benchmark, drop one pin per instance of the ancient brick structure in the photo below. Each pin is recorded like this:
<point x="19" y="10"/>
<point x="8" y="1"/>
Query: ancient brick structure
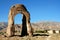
<point x="26" y="26"/>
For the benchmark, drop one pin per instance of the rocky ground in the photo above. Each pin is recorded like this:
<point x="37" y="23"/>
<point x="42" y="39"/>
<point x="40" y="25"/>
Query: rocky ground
<point x="35" y="37"/>
<point x="36" y="27"/>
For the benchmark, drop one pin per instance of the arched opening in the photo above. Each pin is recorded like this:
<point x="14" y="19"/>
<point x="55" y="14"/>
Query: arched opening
<point x="18" y="19"/>
<point x="18" y="23"/>
<point x="23" y="27"/>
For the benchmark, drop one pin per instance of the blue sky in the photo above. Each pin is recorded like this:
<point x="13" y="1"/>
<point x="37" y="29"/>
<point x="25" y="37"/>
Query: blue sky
<point x="40" y="10"/>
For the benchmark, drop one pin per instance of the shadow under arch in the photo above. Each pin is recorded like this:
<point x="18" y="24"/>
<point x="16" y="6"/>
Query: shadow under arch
<point x="24" y="26"/>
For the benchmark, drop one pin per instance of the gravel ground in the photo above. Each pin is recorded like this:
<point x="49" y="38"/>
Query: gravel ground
<point x="35" y="37"/>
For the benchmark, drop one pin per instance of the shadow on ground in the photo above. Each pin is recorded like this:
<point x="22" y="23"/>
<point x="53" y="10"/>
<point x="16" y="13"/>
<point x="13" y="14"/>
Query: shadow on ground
<point x="40" y="35"/>
<point x="32" y="36"/>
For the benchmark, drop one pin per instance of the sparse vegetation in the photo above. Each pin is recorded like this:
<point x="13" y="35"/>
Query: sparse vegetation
<point x="41" y="31"/>
<point x="1" y="33"/>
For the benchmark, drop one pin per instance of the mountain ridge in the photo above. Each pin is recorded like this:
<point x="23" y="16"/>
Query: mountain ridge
<point x="44" y="25"/>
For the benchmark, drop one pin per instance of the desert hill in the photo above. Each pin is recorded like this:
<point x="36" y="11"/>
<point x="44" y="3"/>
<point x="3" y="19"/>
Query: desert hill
<point x="36" y="26"/>
<point x="3" y="25"/>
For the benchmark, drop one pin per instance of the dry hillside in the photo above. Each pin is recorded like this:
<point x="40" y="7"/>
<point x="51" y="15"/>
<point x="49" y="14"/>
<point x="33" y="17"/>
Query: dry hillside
<point x="36" y="26"/>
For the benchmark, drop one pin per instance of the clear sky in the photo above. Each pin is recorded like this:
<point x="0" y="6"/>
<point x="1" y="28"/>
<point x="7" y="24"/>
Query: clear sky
<point x="40" y="10"/>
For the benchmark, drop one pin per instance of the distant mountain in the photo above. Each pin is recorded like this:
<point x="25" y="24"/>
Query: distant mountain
<point x="3" y="25"/>
<point x="46" y="25"/>
<point x="36" y="26"/>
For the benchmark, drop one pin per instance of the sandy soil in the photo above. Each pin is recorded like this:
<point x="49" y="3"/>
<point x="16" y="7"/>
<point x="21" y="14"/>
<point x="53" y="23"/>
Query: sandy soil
<point x="35" y="37"/>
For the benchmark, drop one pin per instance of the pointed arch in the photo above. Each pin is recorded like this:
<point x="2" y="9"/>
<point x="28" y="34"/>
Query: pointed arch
<point x="26" y="26"/>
